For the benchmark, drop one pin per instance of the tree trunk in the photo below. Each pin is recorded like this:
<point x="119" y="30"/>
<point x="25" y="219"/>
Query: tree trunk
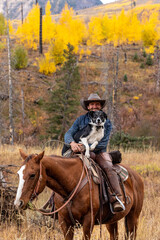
<point x="23" y="114"/>
<point x="114" y="95"/>
<point x="22" y="12"/>
<point x="158" y="77"/>
<point x="105" y="72"/>
<point x="0" y="124"/>
<point x="11" y="127"/>
<point x="40" y="33"/>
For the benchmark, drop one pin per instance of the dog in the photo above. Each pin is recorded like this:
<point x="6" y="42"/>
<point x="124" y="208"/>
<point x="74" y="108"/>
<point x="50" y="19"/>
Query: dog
<point x="93" y="132"/>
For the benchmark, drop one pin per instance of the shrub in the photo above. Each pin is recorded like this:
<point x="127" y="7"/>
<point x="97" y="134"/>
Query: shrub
<point x="2" y="45"/>
<point x="3" y="27"/>
<point x="149" y="60"/>
<point x="19" y="58"/>
<point x="144" y="54"/>
<point x="125" y="78"/>
<point x="46" y="64"/>
<point x="142" y="65"/>
<point x="56" y="51"/>
<point x="126" y="141"/>
<point x="135" y="57"/>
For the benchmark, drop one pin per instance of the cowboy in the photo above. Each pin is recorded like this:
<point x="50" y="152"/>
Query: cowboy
<point x="99" y="154"/>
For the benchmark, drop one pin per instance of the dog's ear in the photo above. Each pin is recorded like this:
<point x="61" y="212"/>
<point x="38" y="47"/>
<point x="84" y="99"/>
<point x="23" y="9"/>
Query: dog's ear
<point x="91" y="114"/>
<point x="105" y="115"/>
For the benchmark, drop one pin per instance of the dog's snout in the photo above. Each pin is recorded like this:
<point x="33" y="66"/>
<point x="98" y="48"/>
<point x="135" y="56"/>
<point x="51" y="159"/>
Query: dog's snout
<point x="98" y="120"/>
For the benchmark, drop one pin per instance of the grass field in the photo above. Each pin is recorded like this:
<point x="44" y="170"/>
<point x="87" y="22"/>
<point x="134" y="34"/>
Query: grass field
<point x="35" y="226"/>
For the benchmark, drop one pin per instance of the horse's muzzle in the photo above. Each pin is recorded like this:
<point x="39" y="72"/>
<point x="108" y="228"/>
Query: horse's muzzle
<point x="20" y="204"/>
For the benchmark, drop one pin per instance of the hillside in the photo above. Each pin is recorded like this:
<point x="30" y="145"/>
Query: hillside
<point x="138" y="103"/>
<point x="138" y="106"/>
<point x="16" y="7"/>
<point x="114" y="8"/>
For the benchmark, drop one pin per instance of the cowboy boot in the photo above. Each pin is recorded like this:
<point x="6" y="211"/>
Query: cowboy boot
<point x="115" y="196"/>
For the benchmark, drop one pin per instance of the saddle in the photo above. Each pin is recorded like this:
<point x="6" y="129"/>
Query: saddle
<point x="100" y="178"/>
<point x="95" y="169"/>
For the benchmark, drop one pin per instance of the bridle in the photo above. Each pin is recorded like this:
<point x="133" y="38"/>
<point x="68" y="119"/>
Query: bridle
<point x="68" y="200"/>
<point x="75" y="191"/>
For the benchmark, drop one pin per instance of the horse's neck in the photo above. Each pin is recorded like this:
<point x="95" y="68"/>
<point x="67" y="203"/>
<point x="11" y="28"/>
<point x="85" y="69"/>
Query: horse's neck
<point x="62" y="173"/>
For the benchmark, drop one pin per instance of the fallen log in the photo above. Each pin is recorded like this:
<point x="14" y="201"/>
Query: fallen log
<point x="8" y="213"/>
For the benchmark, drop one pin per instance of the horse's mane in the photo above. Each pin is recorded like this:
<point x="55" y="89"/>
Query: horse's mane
<point x="29" y="157"/>
<point x="61" y="157"/>
<point x="63" y="160"/>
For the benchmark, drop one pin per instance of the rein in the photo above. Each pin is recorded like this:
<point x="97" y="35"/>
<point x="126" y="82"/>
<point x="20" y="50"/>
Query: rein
<point x="90" y="192"/>
<point x="69" y="199"/>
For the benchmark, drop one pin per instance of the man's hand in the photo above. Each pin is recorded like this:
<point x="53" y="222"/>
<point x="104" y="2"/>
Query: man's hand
<point x="76" y="147"/>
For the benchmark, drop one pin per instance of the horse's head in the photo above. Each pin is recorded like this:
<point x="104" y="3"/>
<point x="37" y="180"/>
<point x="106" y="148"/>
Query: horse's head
<point x="28" y="178"/>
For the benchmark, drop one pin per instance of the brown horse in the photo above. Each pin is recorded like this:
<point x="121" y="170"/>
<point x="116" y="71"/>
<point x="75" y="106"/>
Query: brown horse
<point x="62" y="175"/>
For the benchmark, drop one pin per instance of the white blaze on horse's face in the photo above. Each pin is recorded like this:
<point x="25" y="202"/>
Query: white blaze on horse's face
<point x="20" y="186"/>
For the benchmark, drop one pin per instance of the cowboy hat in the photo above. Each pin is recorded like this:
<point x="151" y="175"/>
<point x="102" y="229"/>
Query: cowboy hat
<point x="93" y="97"/>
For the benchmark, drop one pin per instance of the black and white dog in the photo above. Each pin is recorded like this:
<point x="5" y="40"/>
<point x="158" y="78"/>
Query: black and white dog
<point x="93" y="132"/>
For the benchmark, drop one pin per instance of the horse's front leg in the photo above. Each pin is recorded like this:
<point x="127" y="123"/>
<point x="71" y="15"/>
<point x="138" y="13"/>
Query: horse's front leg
<point x="68" y="230"/>
<point x="113" y="230"/>
<point x="87" y="227"/>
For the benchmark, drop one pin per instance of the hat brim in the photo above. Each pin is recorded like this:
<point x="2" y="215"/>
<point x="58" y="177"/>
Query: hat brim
<point x="85" y="103"/>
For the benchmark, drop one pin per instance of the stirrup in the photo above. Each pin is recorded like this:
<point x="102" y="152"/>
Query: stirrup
<point x="120" y="202"/>
<point x="111" y="207"/>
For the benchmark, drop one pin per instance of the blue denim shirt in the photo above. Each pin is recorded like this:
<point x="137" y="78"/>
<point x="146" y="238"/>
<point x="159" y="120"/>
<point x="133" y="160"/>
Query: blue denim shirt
<point x="83" y="121"/>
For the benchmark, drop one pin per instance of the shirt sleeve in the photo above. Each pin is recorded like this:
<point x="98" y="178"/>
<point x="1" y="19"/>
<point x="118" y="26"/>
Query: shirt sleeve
<point x="68" y="137"/>
<point x="103" y="143"/>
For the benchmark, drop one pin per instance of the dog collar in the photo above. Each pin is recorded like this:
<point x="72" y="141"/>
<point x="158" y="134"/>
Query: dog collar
<point x="99" y="127"/>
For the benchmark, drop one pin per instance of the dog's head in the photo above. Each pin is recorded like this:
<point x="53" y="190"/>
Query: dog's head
<point x="97" y="117"/>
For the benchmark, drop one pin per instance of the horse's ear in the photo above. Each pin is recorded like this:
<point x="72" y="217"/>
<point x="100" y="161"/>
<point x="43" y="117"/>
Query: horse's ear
<point x="23" y="155"/>
<point x="39" y="157"/>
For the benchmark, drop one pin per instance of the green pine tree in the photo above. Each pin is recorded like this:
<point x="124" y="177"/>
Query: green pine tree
<point x="65" y="96"/>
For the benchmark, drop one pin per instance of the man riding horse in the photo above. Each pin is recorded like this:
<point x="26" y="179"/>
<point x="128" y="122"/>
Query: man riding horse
<point x="99" y="154"/>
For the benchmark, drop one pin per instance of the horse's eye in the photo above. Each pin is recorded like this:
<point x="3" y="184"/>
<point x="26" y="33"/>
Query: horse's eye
<point x="32" y="176"/>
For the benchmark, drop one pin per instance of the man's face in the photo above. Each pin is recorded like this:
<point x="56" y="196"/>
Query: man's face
<point x="94" y="106"/>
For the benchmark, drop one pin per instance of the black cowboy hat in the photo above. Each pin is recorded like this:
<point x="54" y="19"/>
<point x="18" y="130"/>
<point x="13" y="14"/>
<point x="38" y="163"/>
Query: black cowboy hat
<point x="93" y="97"/>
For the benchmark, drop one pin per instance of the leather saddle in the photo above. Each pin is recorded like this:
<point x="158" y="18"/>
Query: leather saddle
<point x="100" y="178"/>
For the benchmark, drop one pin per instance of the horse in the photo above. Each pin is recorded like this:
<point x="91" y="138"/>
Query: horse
<point x="62" y="175"/>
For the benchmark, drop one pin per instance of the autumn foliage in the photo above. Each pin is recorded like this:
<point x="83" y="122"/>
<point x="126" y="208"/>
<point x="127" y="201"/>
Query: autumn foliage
<point x="125" y="28"/>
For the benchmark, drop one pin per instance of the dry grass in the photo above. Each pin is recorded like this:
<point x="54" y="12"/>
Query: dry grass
<point x="36" y="226"/>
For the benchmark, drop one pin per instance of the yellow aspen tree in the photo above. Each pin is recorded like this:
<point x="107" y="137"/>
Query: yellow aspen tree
<point x="122" y="28"/>
<point x="113" y="37"/>
<point x="11" y="29"/>
<point x="46" y="64"/>
<point x="66" y="15"/>
<point x="149" y="32"/>
<point x="95" y="31"/>
<point x="106" y="29"/>
<point x="70" y="30"/>
<point x="56" y="51"/>
<point x="134" y="28"/>
<point x="48" y="32"/>
<point x="28" y="32"/>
